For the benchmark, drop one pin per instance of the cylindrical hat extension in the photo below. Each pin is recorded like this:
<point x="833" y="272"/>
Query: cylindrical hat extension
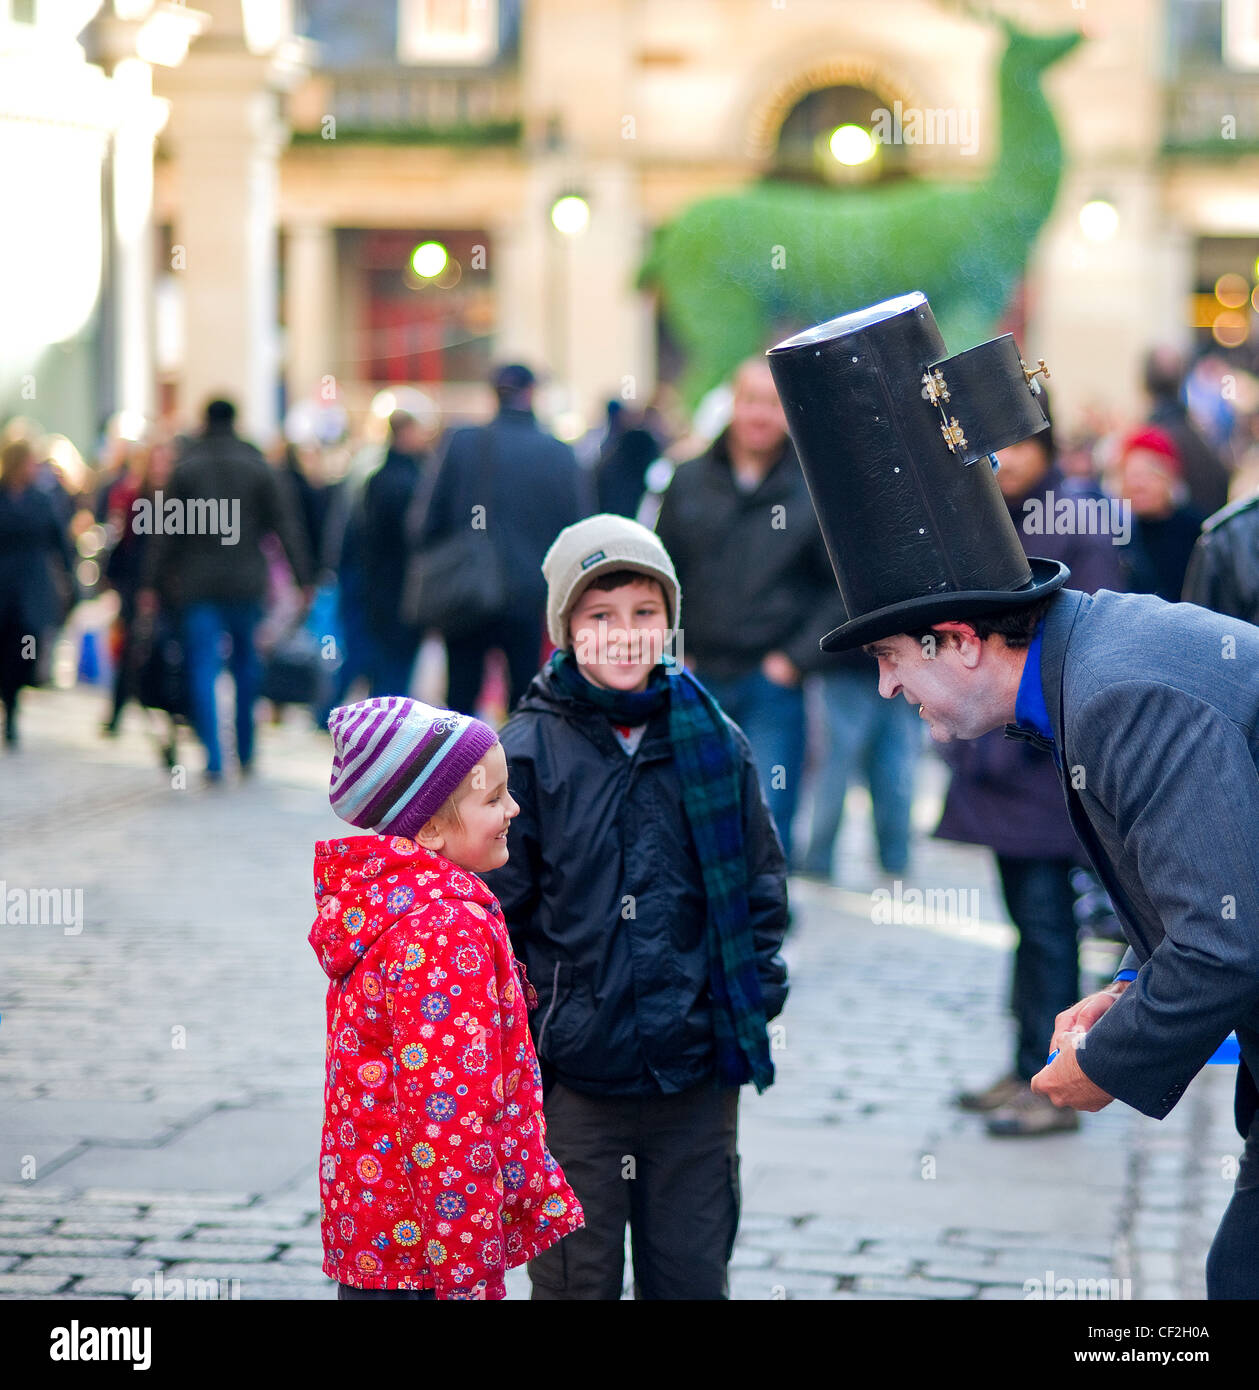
<point x="893" y="437"/>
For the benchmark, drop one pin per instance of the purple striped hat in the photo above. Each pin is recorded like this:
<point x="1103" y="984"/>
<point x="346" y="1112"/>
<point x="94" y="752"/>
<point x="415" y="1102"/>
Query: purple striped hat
<point x="396" y="761"/>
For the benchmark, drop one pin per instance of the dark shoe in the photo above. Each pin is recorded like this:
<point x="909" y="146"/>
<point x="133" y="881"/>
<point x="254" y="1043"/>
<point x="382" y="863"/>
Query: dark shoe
<point x="998" y="1094"/>
<point x="1028" y="1115"/>
<point x="213" y="777"/>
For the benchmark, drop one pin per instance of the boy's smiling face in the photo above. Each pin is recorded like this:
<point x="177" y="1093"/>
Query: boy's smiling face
<point x="619" y="635"/>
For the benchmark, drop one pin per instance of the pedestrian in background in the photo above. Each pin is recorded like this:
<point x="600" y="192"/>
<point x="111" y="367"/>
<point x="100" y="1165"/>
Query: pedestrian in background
<point x="1223" y="572"/>
<point x="433" y="1099"/>
<point x="146" y="470"/>
<point x="646" y="894"/>
<point x="1165" y="524"/>
<point x="219" y="581"/>
<point x="1005" y="793"/>
<point x="1205" y="474"/>
<point x="384" y="551"/>
<point x="520" y="486"/>
<point x="876" y="739"/>
<point x="760" y="590"/>
<point x="37" y="580"/>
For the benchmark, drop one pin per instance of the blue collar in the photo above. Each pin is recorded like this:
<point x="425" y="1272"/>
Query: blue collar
<point x="1030" y="710"/>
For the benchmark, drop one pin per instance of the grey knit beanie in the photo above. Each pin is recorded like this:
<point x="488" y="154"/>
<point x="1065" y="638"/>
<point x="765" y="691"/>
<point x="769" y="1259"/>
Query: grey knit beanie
<point x="596" y="546"/>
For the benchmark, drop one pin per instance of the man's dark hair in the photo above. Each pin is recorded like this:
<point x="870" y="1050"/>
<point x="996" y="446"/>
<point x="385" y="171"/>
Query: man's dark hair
<point x="512" y="383"/>
<point x="1016" y="624"/>
<point x="1163" y="371"/>
<point x="398" y="422"/>
<point x="220" y="414"/>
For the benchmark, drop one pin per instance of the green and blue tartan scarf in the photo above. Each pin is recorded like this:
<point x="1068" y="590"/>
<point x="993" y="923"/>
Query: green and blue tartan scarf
<point x="708" y="765"/>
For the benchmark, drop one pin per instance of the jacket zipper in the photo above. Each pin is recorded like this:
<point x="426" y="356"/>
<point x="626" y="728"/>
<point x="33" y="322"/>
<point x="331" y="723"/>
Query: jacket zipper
<point x="555" y="995"/>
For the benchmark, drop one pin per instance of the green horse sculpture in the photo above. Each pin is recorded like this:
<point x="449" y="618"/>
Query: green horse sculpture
<point x="735" y="270"/>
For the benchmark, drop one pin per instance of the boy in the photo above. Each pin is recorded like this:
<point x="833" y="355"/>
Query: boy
<point x="646" y="896"/>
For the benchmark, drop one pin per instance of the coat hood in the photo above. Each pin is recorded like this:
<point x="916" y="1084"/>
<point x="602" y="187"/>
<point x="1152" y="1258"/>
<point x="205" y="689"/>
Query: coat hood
<point x="366" y="883"/>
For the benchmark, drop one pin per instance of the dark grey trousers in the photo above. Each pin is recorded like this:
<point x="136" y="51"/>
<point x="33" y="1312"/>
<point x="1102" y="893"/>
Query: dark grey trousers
<point x="667" y="1166"/>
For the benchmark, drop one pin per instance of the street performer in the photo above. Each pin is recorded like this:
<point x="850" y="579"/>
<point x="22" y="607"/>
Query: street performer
<point x="1151" y="709"/>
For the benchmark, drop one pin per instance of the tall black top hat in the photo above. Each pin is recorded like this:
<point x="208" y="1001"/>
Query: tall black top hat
<point x="894" y="439"/>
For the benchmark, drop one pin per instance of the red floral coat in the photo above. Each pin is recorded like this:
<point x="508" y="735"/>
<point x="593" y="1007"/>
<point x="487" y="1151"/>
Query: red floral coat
<point x="434" y="1171"/>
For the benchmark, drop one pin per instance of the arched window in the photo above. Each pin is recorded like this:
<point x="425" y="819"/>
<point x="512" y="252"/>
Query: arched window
<point x="839" y="135"/>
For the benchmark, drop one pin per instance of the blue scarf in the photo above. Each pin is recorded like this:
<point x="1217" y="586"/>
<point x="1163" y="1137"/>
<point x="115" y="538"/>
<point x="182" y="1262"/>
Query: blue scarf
<point x="709" y="768"/>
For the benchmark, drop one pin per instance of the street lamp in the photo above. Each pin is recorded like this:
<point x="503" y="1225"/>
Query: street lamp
<point x="852" y="145"/>
<point x="570" y="214"/>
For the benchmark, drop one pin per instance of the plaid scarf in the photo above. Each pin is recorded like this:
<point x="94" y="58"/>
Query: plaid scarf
<point x="708" y="767"/>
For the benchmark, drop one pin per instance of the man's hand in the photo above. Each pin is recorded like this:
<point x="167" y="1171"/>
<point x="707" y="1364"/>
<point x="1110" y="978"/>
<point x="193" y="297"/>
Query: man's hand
<point x="1062" y="1080"/>
<point x="1065" y="1084"/>
<point x="146" y="603"/>
<point x="1079" y="1018"/>
<point x="780" y="669"/>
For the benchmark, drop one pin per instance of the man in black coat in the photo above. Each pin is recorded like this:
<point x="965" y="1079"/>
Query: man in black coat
<point x="384" y="551"/>
<point x="521" y="486"/>
<point x="760" y="589"/>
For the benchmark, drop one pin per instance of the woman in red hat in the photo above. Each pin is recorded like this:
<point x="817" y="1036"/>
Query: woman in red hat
<point x="1165" y="527"/>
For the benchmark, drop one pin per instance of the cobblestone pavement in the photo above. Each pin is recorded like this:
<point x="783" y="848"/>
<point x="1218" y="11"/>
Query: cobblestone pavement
<point x="161" y="1068"/>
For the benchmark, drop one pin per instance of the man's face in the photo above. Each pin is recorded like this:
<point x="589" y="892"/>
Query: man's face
<point x="944" y="677"/>
<point x="757" y="422"/>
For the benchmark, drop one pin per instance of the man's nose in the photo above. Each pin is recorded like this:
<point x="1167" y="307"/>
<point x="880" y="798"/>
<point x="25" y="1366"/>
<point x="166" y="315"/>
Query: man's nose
<point x="889" y="686"/>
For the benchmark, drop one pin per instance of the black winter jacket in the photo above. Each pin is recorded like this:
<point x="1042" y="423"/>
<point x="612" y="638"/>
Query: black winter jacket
<point x="222" y="467"/>
<point x="534" y="488"/>
<point x="753" y="567"/>
<point x="604" y="899"/>
<point x="1224" y="568"/>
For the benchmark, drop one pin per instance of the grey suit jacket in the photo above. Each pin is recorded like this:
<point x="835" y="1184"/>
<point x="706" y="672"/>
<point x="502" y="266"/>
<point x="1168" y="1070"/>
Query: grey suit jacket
<point x="1155" y="713"/>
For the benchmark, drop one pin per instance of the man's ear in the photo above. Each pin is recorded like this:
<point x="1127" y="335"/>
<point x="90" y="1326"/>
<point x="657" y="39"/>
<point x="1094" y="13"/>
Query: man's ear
<point x="431" y="836"/>
<point x="969" y="645"/>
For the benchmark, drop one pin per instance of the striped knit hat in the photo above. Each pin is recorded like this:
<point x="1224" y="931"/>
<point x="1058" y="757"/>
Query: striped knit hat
<point x="396" y="761"/>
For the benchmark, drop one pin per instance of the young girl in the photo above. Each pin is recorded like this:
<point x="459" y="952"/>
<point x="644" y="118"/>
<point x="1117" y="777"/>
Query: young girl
<point x="434" y="1174"/>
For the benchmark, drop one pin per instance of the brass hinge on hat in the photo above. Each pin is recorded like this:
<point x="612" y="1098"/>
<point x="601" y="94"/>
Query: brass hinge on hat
<point x="934" y="387"/>
<point x="954" y="436"/>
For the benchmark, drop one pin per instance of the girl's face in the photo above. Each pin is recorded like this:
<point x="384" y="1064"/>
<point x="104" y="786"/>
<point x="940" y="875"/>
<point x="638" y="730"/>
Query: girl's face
<point x="477" y="840"/>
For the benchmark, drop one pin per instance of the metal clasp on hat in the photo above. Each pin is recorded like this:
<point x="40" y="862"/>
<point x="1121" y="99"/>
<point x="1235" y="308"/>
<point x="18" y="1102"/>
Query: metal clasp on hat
<point x="1039" y="370"/>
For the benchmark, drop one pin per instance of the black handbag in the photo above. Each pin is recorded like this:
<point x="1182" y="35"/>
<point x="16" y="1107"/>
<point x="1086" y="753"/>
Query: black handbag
<point x="160" y="671"/>
<point x="455" y="584"/>
<point x="295" y="671"/>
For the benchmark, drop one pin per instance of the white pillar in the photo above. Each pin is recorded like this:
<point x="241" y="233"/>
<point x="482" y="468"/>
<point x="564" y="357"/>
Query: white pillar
<point x="227" y="136"/>
<point x="310" y="288"/>
<point x="133" y="247"/>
